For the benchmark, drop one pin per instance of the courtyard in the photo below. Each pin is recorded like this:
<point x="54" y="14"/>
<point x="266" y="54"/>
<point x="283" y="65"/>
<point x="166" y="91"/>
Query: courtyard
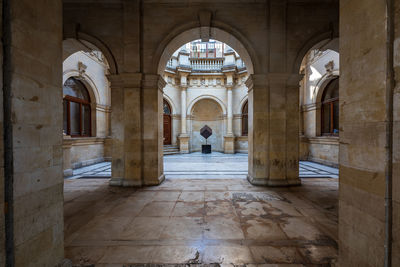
<point x="207" y="166"/>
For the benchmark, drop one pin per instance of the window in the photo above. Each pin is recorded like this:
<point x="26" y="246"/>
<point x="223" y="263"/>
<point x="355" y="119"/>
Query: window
<point x="245" y="119"/>
<point x="330" y="109"/>
<point x="77" y="112"/>
<point x="166" y="107"/>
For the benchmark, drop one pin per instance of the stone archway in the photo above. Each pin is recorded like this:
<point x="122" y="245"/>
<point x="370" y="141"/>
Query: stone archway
<point x="167" y="48"/>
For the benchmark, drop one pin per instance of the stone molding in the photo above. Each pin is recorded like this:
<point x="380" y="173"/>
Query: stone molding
<point x="264" y="80"/>
<point x="153" y="81"/>
<point x="310" y="107"/>
<point x="103" y="108"/>
<point x="241" y="138"/>
<point x="82" y="141"/>
<point x="125" y="80"/>
<point x="323" y="140"/>
<point x="273" y="182"/>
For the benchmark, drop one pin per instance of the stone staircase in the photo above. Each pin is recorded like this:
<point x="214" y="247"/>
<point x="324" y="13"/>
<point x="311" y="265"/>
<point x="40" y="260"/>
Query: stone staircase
<point x="171" y="150"/>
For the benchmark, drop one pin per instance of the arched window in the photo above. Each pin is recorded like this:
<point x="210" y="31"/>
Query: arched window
<point x="245" y="119"/>
<point x="77" y="117"/>
<point x="330" y="109"/>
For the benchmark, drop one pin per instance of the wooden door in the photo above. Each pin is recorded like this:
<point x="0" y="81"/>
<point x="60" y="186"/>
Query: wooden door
<point x="167" y="124"/>
<point x="167" y="129"/>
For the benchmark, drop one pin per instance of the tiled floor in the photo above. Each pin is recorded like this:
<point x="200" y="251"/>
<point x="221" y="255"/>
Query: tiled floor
<point x="225" y="221"/>
<point x="214" y="166"/>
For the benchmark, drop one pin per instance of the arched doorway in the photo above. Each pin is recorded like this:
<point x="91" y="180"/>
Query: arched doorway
<point x="167" y="123"/>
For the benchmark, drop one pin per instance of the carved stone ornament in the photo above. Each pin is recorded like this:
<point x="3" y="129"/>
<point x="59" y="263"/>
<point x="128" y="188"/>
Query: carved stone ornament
<point x="81" y="68"/>
<point x="329" y="67"/>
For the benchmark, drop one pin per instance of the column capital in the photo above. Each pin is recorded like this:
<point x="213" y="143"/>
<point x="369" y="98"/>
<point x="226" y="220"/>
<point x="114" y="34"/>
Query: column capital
<point x="229" y="87"/>
<point x="264" y="80"/>
<point x="256" y="80"/>
<point x="125" y="80"/>
<point x="153" y="81"/>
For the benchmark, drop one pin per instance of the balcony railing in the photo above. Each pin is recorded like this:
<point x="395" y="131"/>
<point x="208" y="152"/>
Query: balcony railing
<point x="207" y="64"/>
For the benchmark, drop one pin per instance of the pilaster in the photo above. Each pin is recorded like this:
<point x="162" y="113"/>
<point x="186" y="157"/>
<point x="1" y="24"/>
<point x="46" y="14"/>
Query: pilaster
<point x="273" y="129"/>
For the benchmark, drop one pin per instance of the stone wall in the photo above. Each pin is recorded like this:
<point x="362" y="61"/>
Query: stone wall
<point x="324" y="150"/>
<point x="396" y="140"/>
<point x="241" y="144"/>
<point x="362" y="132"/>
<point x="36" y="61"/>
<point x="2" y="222"/>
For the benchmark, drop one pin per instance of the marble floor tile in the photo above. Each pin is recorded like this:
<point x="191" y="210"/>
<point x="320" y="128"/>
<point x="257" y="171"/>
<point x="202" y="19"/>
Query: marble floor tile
<point x="224" y="221"/>
<point x="221" y="227"/>
<point x="187" y="228"/>
<point x="157" y="209"/>
<point x="188" y="209"/>
<point x="233" y="254"/>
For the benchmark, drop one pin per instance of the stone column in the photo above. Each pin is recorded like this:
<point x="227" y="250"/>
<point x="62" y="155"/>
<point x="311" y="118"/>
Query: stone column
<point x="152" y="142"/>
<point x="126" y="127"/>
<point x="273" y="129"/>
<point x="229" y="139"/>
<point x="183" y="137"/>
<point x="230" y="113"/>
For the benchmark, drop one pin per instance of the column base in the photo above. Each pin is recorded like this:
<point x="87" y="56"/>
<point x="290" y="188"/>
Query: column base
<point x="134" y="183"/>
<point x="229" y="144"/>
<point x="124" y="182"/>
<point x="184" y="143"/>
<point x="273" y="182"/>
<point x="156" y="182"/>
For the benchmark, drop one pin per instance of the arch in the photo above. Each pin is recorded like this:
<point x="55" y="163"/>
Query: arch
<point x="86" y="42"/>
<point x="322" y="83"/>
<point x="318" y="40"/>
<point x="170" y="103"/>
<point x="243" y="102"/>
<point x="87" y="81"/>
<point x="197" y="99"/>
<point x="172" y="43"/>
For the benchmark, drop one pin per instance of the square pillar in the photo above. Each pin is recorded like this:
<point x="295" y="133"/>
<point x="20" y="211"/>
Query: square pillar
<point x="126" y="127"/>
<point x="258" y="135"/>
<point x="273" y="129"/>
<point x="152" y="90"/>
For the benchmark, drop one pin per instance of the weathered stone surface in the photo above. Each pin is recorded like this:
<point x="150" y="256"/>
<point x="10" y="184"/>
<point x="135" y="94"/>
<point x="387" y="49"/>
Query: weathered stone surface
<point x="38" y="179"/>
<point x="362" y="133"/>
<point x="183" y="221"/>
